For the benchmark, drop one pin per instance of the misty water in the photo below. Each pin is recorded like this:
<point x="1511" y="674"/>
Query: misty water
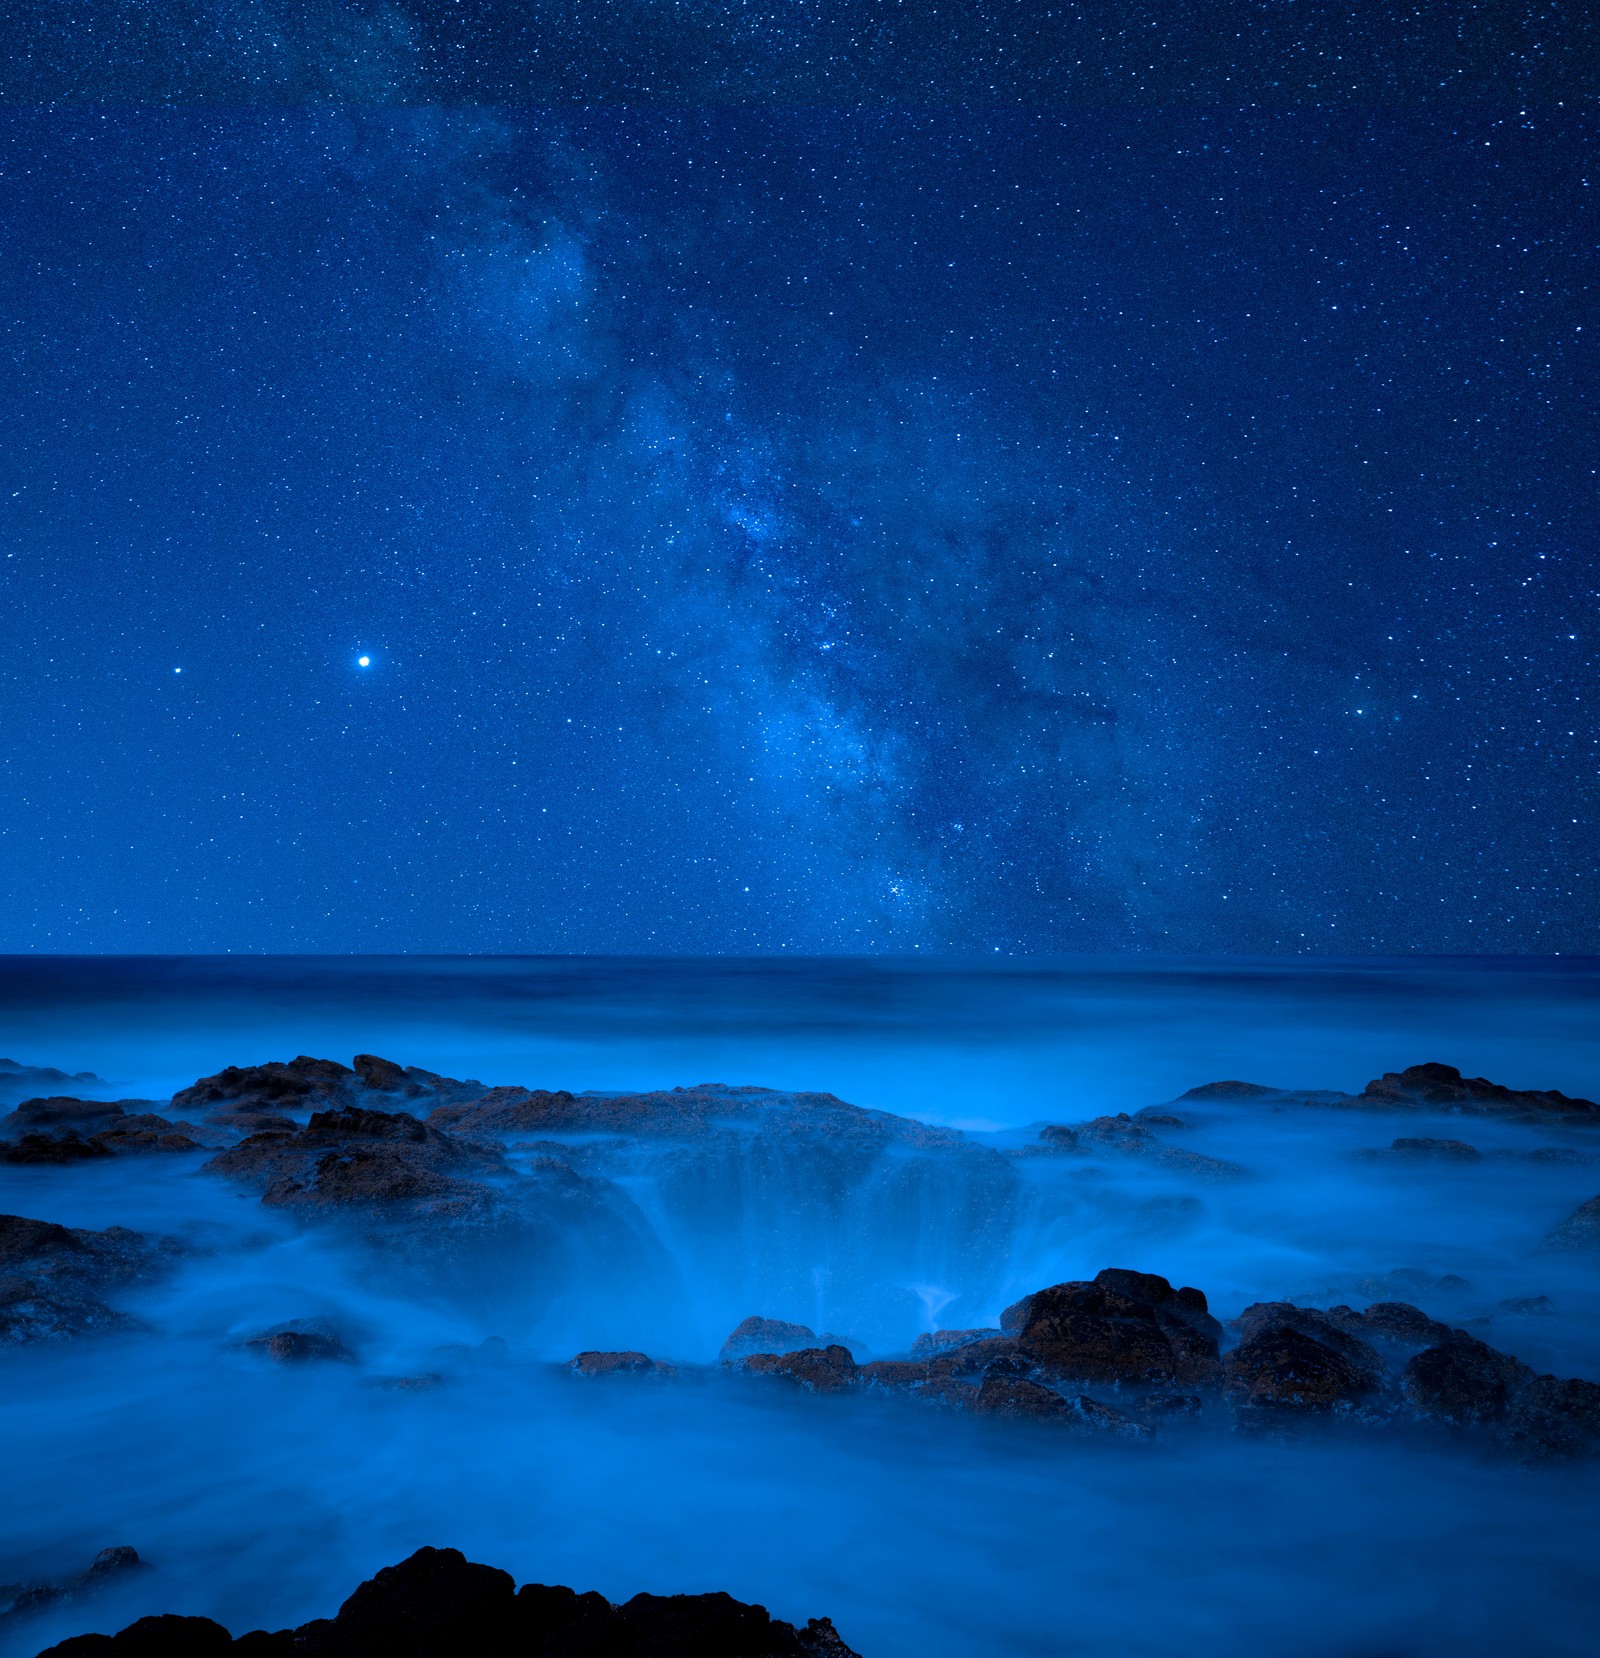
<point x="260" y="1494"/>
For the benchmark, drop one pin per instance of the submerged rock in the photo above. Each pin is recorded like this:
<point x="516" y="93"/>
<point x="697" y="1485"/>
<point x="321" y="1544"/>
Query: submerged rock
<point x="437" y="1604"/>
<point x="52" y="1278"/>
<point x="1123" y="1327"/>
<point x="1580" y="1230"/>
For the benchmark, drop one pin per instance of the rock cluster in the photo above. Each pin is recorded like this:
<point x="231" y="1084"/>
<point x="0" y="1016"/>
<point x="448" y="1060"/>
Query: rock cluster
<point x="437" y="1604"/>
<point x="64" y="1129"/>
<point x="1125" y="1136"/>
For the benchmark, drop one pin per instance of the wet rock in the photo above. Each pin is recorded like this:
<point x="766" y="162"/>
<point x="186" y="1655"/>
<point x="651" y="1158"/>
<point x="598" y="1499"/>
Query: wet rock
<point x="436" y="1604"/>
<point x="20" y="1080"/>
<point x="765" y="1335"/>
<point x="1580" y="1230"/>
<point x="1169" y="1407"/>
<point x="1123" y="1327"/>
<point x="1229" y="1091"/>
<point x="1435" y="1151"/>
<point x="1554" y="1421"/>
<point x="1016" y="1397"/>
<point x="66" y="1130"/>
<point x="1152" y="1117"/>
<point x="1463" y="1381"/>
<point x="1125" y="1136"/>
<point x="50" y="1148"/>
<point x="1295" y="1361"/>
<point x="1016" y="1315"/>
<point x="1392" y="1321"/>
<point x="1529" y="1306"/>
<point x="939" y="1341"/>
<point x="816" y="1369"/>
<point x="1442" y="1087"/>
<point x="243" y="1095"/>
<point x="972" y="1358"/>
<point x="300" y="1347"/>
<point x="1094" y="1416"/>
<point x="618" y="1364"/>
<point x="53" y="1278"/>
<point x="19" y="1599"/>
<point x="895" y="1375"/>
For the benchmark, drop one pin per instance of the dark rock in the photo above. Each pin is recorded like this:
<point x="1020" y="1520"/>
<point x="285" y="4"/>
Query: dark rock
<point x="243" y="1095"/>
<point x="1123" y="1327"/>
<point x="1463" y="1381"/>
<point x="1580" y="1230"/>
<point x="1554" y="1421"/>
<point x="437" y="1604"/>
<point x="300" y="1347"/>
<point x="50" y="1148"/>
<point x="974" y="1358"/>
<point x="52" y="1278"/>
<point x="1437" y="1151"/>
<point x="1442" y="1087"/>
<point x="1229" y="1091"/>
<point x="618" y="1364"/>
<point x="1393" y="1321"/>
<point x="940" y="1341"/>
<point x="765" y="1335"/>
<point x="1124" y="1136"/>
<point x="1169" y="1407"/>
<point x="1150" y="1117"/>
<point x="1016" y="1315"/>
<point x="893" y="1374"/>
<point x="19" y="1599"/>
<point x="1000" y="1394"/>
<point x="66" y="1130"/>
<point x="817" y="1369"/>
<point x="18" y="1079"/>
<point x="1327" y="1328"/>
<point x="1294" y="1360"/>
<point x="1529" y="1306"/>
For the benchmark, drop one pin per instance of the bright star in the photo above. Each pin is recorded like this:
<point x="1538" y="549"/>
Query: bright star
<point x="363" y="661"/>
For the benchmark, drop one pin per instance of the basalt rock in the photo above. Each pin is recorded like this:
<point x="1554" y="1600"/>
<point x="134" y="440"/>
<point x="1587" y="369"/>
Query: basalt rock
<point x="1553" y="1421"/>
<point x="765" y="1335"/>
<point x="242" y="1094"/>
<point x="52" y="1278"/>
<point x="1281" y="1370"/>
<point x="61" y="1129"/>
<point x="1463" y="1381"/>
<point x="816" y="1369"/>
<point x="1395" y="1322"/>
<point x="1443" y="1088"/>
<point x="1328" y="1329"/>
<point x="1580" y="1230"/>
<point x="1123" y="1327"/>
<point x="437" y="1604"/>
<point x="618" y="1364"/>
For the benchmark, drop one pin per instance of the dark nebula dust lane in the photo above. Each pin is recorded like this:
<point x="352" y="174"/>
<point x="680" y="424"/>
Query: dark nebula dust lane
<point x="736" y="530"/>
<point x="955" y="1369"/>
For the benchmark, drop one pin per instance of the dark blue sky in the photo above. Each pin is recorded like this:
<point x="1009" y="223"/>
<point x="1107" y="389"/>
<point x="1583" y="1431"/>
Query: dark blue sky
<point x="946" y="530"/>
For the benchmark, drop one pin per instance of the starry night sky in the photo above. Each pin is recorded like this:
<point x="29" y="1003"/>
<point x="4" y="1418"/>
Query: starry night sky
<point x="1128" y="522"/>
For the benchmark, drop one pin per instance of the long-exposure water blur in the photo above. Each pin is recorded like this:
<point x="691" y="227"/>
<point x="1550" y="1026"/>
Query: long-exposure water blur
<point x="260" y="1493"/>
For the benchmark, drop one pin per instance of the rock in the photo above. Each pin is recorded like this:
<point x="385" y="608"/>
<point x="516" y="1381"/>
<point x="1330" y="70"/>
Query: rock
<point x="1442" y="1087"/>
<point x="1123" y="1327"/>
<point x="1393" y="1321"/>
<point x="1554" y="1421"/>
<point x="23" y="1598"/>
<point x="1463" y="1381"/>
<point x="939" y="1341"/>
<point x="1529" y="1306"/>
<point x="241" y="1096"/>
<point x="1579" y="1231"/>
<point x="1169" y="1407"/>
<point x="1124" y="1136"/>
<point x="300" y="1347"/>
<point x="1436" y="1151"/>
<point x="52" y="1278"/>
<point x="765" y="1335"/>
<point x="1294" y="1361"/>
<point x="66" y="1130"/>
<point x="618" y="1364"/>
<point x="817" y="1369"/>
<point x="437" y="1604"/>
<point x="17" y="1080"/>
<point x="49" y="1148"/>
<point x="1230" y="1091"/>
<point x="1151" y="1117"/>
<point x="972" y="1358"/>
<point x="1017" y="1397"/>
<point x="893" y="1374"/>
<point x="1093" y="1416"/>
<point x="1016" y="1315"/>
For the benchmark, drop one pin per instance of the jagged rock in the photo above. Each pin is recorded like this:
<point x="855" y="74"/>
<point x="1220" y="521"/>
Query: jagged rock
<point x="437" y="1604"/>
<point x="1016" y="1315"/>
<point x="1123" y="1327"/>
<point x="1003" y="1394"/>
<point x="765" y="1335"/>
<point x="618" y="1364"/>
<point x="61" y="1129"/>
<point x="1295" y="1360"/>
<point x="972" y="1358"/>
<point x="1442" y="1087"/>
<point x="1463" y="1381"/>
<point x="893" y="1374"/>
<point x="1580" y="1230"/>
<point x="817" y="1369"/>
<point x="52" y="1277"/>
<point x="1393" y="1321"/>
<point x="21" y="1598"/>
<point x="1124" y="1136"/>
<point x="242" y="1095"/>
<point x="1554" y="1421"/>
<point x="939" y="1341"/>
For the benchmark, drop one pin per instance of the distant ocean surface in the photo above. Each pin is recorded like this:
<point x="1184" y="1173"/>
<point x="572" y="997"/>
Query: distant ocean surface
<point x="975" y="1045"/>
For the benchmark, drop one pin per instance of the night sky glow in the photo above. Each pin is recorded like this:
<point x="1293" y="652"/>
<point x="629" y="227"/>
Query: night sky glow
<point x="752" y="530"/>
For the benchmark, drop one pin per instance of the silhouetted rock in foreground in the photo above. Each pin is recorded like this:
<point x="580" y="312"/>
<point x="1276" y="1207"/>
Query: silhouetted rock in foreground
<point x="439" y="1605"/>
<point x="52" y="1277"/>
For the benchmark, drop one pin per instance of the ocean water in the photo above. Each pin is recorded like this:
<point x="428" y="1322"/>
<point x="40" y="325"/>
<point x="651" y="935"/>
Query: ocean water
<point x="261" y="1495"/>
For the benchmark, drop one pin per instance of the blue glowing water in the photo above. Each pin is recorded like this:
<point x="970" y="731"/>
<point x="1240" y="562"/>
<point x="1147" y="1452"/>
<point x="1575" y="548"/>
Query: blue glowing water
<point x="262" y="1495"/>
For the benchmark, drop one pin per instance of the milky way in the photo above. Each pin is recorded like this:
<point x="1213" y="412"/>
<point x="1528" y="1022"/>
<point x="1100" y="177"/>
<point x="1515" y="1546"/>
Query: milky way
<point x="956" y="531"/>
